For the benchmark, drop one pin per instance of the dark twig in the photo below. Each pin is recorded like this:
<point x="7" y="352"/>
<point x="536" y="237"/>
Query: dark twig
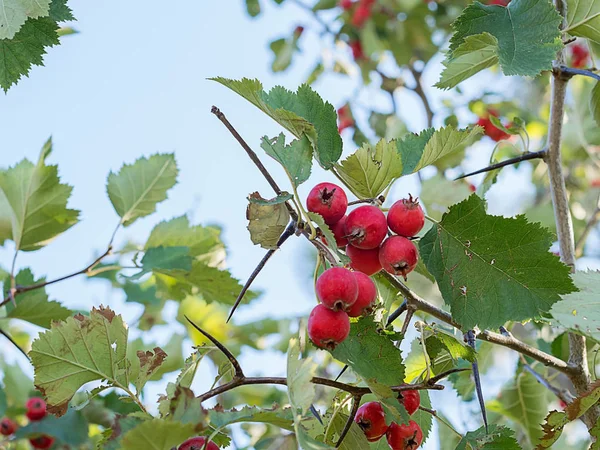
<point x="441" y="376"/>
<point x="569" y="72"/>
<point x="353" y="410"/>
<point x="315" y="413"/>
<point x="562" y="394"/>
<point x="289" y="231"/>
<point x="470" y="337"/>
<point x="524" y="157"/>
<point x="378" y="200"/>
<point x="433" y="412"/>
<point x="12" y="341"/>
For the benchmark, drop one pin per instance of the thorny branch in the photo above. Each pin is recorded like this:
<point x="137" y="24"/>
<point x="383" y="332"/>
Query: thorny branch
<point x="524" y="157"/>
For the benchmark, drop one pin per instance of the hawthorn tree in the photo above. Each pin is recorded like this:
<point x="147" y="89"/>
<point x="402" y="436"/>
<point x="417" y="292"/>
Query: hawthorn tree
<point x="461" y="283"/>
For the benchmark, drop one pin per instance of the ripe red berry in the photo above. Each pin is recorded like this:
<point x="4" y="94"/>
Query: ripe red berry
<point x="406" y="217"/>
<point x="42" y="442"/>
<point x="398" y="255"/>
<point x="367" y="296"/>
<point x="404" y="437"/>
<point x="499" y="2"/>
<point x="361" y="15"/>
<point x="346" y="4"/>
<point x="357" y="50"/>
<point x="197" y="443"/>
<point x="410" y="399"/>
<point x="299" y="30"/>
<point x="579" y="55"/>
<point x="327" y="328"/>
<point x="36" y="408"/>
<point x="7" y="427"/>
<point x="339" y="232"/>
<point x="328" y="200"/>
<point x="370" y="417"/>
<point x="366" y="227"/>
<point x="337" y="288"/>
<point x="490" y="129"/>
<point x="365" y="261"/>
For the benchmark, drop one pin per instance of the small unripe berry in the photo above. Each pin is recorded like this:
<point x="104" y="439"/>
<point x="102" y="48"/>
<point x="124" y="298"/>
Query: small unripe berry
<point x="370" y="417"/>
<point x="406" y="217"/>
<point x="327" y="328"/>
<point x="365" y="261"/>
<point x="36" y="408"/>
<point x="197" y="443"/>
<point x="339" y="232"/>
<point x="366" y="227"/>
<point x="42" y="442"/>
<point x="329" y="201"/>
<point x="337" y="288"/>
<point x="7" y="427"/>
<point x="367" y="296"/>
<point x="398" y="256"/>
<point x="404" y="437"/>
<point x="410" y="399"/>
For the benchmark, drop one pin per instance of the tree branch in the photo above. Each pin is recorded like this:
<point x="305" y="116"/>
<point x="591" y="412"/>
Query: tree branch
<point x="571" y="71"/>
<point x="353" y="411"/>
<point x="524" y="157"/>
<point x="418" y="89"/>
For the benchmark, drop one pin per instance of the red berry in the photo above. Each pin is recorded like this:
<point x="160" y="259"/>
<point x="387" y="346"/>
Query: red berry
<point x="398" y="256"/>
<point x="298" y="30"/>
<point x="365" y="261"/>
<point x="346" y="4"/>
<point x="361" y="15"/>
<point x="472" y="187"/>
<point x="410" y="399"/>
<point x="595" y="182"/>
<point x="404" y="437"/>
<point x="499" y="2"/>
<point x="579" y="55"/>
<point x="337" y="288"/>
<point x="490" y="129"/>
<point x="367" y="296"/>
<point x="36" y="408"/>
<point x="370" y="417"/>
<point x="7" y="427"/>
<point x="328" y="200"/>
<point x="327" y="328"/>
<point x="366" y="227"/>
<point x="406" y="217"/>
<point x="357" y="50"/>
<point x="339" y="232"/>
<point x="42" y="442"/>
<point x="197" y="443"/>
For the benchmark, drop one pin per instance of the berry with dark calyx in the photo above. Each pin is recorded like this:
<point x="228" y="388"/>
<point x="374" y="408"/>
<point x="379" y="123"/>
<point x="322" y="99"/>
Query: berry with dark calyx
<point x="198" y="443"/>
<point x="370" y="417"/>
<point x="404" y="437"/>
<point x="36" y="408"/>
<point x="337" y="288"/>
<point x="406" y="217"/>
<point x="398" y="256"/>
<point x="339" y="232"/>
<point x="7" y="427"/>
<point x="329" y="201"/>
<point x="366" y="227"/>
<point x="42" y="442"/>
<point x="367" y="296"/>
<point x="365" y="261"/>
<point x="410" y="399"/>
<point x="327" y="328"/>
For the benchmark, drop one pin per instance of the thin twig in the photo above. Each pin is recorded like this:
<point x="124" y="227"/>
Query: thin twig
<point x="562" y="394"/>
<point x="433" y="412"/>
<point x="353" y="410"/>
<point x="12" y="341"/>
<point x="470" y="337"/>
<point x="397" y="313"/>
<point x="418" y="89"/>
<point x="524" y="157"/>
<point x="377" y="200"/>
<point x="410" y="311"/>
<point x="441" y="376"/>
<point x="571" y="71"/>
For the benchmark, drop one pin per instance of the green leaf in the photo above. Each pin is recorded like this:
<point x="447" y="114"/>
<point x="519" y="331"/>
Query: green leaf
<point x="411" y="148"/>
<point x="136" y="189"/>
<point x="303" y="112"/>
<point x="325" y="4"/>
<point x="165" y="258"/>
<point x="16" y="12"/>
<point x="70" y="429"/>
<point x="157" y="434"/>
<point x="253" y="8"/>
<point x="329" y="237"/>
<point x="595" y="103"/>
<point x="496" y="438"/>
<point x="438" y="193"/>
<point x="371" y="169"/>
<point x="283" y="50"/>
<point x="492" y="269"/>
<point x="299" y="375"/>
<point x="60" y="12"/>
<point x="144" y="293"/>
<point x="267" y="221"/>
<point x="579" y="310"/>
<point x="583" y="19"/>
<point x="437" y="341"/>
<point x="277" y="416"/>
<point x="33" y="203"/>
<point x="526" y="45"/>
<point x="79" y="350"/>
<point x="149" y="364"/>
<point x="355" y="439"/>
<point x="296" y="158"/>
<point x="17" y="385"/>
<point x="111" y="438"/>
<point x="33" y="306"/>
<point x="474" y="54"/>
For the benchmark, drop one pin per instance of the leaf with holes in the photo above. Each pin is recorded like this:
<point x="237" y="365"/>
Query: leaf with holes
<point x="267" y="219"/>
<point x="296" y="157"/>
<point x="492" y="269"/>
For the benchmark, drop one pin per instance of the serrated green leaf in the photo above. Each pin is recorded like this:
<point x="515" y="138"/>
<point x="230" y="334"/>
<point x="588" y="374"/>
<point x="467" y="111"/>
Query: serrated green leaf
<point x="137" y="188"/>
<point x="438" y="194"/>
<point x="299" y="373"/>
<point x="526" y="45"/>
<point x="277" y="416"/>
<point x="355" y="439"/>
<point x="411" y="148"/>
<point x="296" y="158"/>
<point x="266" y="221"/>
<point x="60" y="12"/>
<point x="595" y="103"/>
<point x="492" y="269"/>
<point x="165" y="258"/>
<point x="583" y="19"/>
<point x="371" y="169"/>
<point x="157" y="434"/>
<point x="578" y="311"/>
<point x="474" y="54"/>
<point x="281" y="198"/>
<point x="16" y="12"/>
<point x="70" y="429"/>
<point x="33" y="203"/>
<point x="495" y="438"/>
<point x="79" y="350"/>
<point x="34" y="306"/>
<point x="437" y="341"/>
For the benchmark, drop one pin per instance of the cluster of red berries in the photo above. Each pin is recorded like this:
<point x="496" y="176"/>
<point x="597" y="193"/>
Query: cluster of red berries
<point x="345" y="118"/>
<point x="35" y="410"/>
<point x="363" y="233"/>
<point x="490" y="129"/>
<point x="198" y="443"/>
<point x="370" y="417"/>
<point x="579" y="56"/>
